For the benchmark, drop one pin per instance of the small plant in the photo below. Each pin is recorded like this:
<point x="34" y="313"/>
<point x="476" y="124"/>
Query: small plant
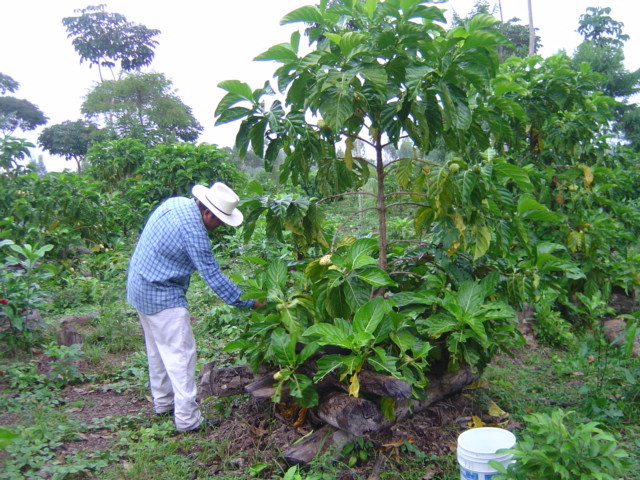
<point x="21" y="280"/>
<point x="552" y="449"/>
<point x="65" y="369"/>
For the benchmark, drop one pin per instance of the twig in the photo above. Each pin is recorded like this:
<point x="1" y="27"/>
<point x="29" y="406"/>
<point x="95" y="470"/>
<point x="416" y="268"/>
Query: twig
<point x="345" y="194"/>
<point x="407" y="203"/>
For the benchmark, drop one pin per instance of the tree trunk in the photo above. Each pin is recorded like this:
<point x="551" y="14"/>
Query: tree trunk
<point x="382" y="208"/>
<point x="532" y="32"/>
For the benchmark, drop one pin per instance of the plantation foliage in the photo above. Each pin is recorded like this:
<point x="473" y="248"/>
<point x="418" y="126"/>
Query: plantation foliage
<point x="515" y="194"/>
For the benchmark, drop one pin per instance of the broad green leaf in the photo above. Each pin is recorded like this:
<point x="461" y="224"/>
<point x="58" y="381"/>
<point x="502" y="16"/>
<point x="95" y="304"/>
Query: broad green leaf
<point x="239" y="88"/>
<point x="482" y="240"/>
<point x="403" y="339"/>
<point x="232" y="114"/>
<point x="470" y="296"/>
<point x="301" y="388"/>
<point x="328" y="364"/>
<point x="277" y="274"/>
<point x="359" y="253"/>
<point x="517" y="174"/>
<point x="352" y="41"/>
<point x="336" y="107"/>
<point x="376" y="277"/>
<point x="377" y="76"/>
<point x="289" y="318"/>
<point x="439" y="324"/>
<point x="360" y="339"/>
<point x="307" y="14"/>
<point x="530" y="208"/>
<point x="421" y="297"/>
<point x="481" y="21"/>
<point x="404" y="172"/>
<point x="328" y="334"/>
<point x="370" y="315"/>
<point x="280" y="53"/>
<point x="284" y="348"/>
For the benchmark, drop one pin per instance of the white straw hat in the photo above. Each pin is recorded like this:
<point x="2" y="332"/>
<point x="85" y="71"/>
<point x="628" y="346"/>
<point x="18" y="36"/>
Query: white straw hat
<point x="221" y="201"/>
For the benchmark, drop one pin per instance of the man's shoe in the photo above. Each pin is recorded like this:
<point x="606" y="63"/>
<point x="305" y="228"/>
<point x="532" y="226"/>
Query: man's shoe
<point x="166" y="413"/>
<point x="204" y="426"/>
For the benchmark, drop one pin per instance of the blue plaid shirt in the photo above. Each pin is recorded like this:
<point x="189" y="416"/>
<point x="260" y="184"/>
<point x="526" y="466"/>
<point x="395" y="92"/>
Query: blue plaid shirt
<point x="173" y="245"/>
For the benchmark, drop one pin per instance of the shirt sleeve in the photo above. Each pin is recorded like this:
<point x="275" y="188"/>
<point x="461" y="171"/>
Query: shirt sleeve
<point x="199" y="250"/>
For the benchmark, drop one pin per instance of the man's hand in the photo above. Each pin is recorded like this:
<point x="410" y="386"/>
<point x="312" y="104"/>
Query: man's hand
<point x="257" y="303"/>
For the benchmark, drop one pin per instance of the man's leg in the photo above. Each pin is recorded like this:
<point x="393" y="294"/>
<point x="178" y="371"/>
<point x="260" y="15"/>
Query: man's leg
<point x="174" y="341"/>
<point x="161" y="389"/>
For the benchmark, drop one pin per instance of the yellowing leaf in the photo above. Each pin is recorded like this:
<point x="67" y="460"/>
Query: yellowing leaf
<point x="354" y="385"/>
<point x="348" y="156"/>
<point x="483" y="241"/>
<point x="459" y="221"/>
<point x="588" y="175"/>
<point x="453" y="248"/>
<point x="476" y="422"/>
<point x="481" y="383"/>
<point x="495" y="410"/>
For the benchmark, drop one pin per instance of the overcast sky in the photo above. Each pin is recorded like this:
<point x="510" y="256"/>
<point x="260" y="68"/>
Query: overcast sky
<point x="203" y="42"/>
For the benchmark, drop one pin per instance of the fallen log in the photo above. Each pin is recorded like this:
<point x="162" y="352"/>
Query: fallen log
<point x="355" y="415"/>
<point x="316" y="443"/>
<point x="360" y="416"/>
<point x="223" y="382"/>
<point x="383" y="385"/>
<point x="262" y="388"/>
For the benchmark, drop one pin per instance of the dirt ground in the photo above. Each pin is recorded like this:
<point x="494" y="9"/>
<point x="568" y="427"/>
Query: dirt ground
<point x="257" y="429"/>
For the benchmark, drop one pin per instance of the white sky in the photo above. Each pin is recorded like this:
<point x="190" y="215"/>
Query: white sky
<point x="203" y="42"/>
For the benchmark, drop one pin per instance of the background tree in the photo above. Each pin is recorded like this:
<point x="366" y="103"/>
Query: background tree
<point x="512" y="29"/>
<point x="603" y="49"/>
<point x="7" y="84"/>
<point x="68" y="139"/>
<point x="16" y="113"/>
<point x="143" y="106"/>
<point x="104" y="39"/>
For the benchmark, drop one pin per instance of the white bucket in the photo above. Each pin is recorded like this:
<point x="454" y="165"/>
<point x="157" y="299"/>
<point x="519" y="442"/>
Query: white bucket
<point x="479" y="445"/>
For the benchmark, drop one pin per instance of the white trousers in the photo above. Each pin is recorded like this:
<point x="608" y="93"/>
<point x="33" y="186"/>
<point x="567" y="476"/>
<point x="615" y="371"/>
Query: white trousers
<point x="171" y="352"/>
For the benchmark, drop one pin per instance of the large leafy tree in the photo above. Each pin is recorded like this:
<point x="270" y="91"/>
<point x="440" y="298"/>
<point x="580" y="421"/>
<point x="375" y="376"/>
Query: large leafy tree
<point x="512" y="29"/>
<point x="509" y="182"/>
<point x="380" y="72"/>
<point x="68" y="139"/>
<point x="603" y="49"/>
<point x="105" y="39"/>
<point x="143" y="106"/>
<point x="16" y="113"/>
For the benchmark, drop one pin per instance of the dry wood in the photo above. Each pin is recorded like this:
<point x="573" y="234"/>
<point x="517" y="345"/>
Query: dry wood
<point x="68" y="335"/>
<point x="263" y="387"/>
<point x="318" y="442"/>
<point x="360" y="416"/>
<point x="383" y="385"/>
<point x="223" y="382"/>
<point x="355" y="415"/>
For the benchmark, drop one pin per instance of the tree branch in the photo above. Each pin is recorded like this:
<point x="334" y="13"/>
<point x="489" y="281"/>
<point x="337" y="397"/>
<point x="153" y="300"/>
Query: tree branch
<point x="401" y="272"/>
<point x="406" y="193"/>
<point x="432" y="164"/>
<point x="345" y="194"/>
<point x="408" y="203"/>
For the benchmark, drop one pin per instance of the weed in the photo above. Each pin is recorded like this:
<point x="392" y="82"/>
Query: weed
<point x="553" y="448"/>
